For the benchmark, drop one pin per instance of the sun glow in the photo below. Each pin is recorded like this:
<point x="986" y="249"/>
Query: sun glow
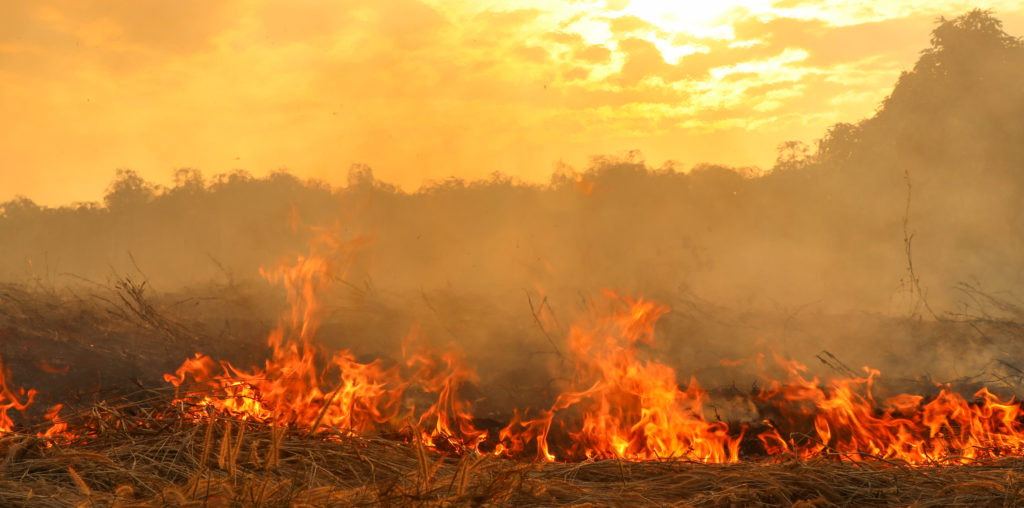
<point x="697" y="18"/>
<point x="676" y="22"/>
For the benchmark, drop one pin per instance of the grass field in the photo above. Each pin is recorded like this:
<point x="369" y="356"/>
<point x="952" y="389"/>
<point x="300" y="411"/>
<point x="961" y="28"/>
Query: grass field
<point x="101" y="353"/>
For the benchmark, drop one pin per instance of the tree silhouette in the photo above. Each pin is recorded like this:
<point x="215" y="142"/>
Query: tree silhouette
<point x="839" y="144"/>
<point x="792" y="155"/>
<point x="964" y="95"/>
<point x="128" y="191"/>
<point x="959" y="106"/>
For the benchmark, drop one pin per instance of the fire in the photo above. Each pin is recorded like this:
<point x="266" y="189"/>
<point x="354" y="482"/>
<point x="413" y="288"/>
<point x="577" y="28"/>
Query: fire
<point x="10" y="400"/>
<point x="617" y="405"/>
<point x="297" y="387"/>
<point x="59" y="430"/>
<point x="849" y="423"/>
<point x="452" y="416"/>
<point x="618" y="402"/>
<point x="303" y="386"/>
<point x="20" y="399"/>
<point x="630" y="408"/>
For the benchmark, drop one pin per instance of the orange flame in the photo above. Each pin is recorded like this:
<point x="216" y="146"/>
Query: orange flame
<point x="617" y="403"/>
<point x="20" y="399"/>
<point x="292" y="389"/>
<point x="850" y="424"/>
<point x="452" y="416"/>
<point x="345" y="395"/>
<point x="632" y="409"/>
<point x="11" y="400"/>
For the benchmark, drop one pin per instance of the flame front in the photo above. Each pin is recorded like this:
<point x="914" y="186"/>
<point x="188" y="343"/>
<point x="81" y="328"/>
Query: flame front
<point x="616" y="405"/>
<point x="617" y="402"/>
<point x="849" y="424"/>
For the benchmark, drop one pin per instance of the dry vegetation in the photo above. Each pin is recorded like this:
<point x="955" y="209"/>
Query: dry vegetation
<point x="136" y="449"/>
<point x="805" y="259"/>
<point x="135" y="458"/>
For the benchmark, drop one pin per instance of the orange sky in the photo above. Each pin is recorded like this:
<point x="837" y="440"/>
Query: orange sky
<point x="423" y="90"/>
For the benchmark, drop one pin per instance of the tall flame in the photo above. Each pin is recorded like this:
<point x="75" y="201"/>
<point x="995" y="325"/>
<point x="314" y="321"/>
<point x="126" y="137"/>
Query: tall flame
<point x="302" y="385"/>
<point x="630" y="408"/>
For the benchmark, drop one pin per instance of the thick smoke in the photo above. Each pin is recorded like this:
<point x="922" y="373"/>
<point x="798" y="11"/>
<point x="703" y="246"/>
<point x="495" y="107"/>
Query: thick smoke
<point x="894" y="242"/>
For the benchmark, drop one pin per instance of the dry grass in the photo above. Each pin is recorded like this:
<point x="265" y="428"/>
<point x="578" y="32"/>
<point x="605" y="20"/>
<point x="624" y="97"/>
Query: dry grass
<point x="135" y="457"/>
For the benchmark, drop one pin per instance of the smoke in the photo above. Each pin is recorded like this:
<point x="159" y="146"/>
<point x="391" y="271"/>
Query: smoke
<point x="815" y="255"/>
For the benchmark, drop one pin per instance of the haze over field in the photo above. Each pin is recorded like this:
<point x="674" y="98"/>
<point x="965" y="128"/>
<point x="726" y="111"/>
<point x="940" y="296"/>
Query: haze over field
<point x="828" y="219"/>
<point x="913" y="211"/>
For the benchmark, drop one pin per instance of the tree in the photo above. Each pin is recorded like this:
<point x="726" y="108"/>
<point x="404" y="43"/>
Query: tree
<point x="20" y="208"/>
<point x="839" y="144"/>
<point x="959" y="106"/>
<point x="968" y="54"/>
<point x="128" y="191"/>
<point x="792" y="155"/>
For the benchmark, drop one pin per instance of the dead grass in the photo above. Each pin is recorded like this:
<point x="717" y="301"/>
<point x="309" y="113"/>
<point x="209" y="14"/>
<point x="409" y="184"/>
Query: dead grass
<point x="135" y="457"/>
<point x="144" y="453"/>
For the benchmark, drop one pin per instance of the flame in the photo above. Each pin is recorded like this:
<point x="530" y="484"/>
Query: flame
<point x="20" y="399"/>
<point x="59" y="430"/>
<point x="16" y="398"/>
<point x="850" y="424"/>
<point x="345" y="395"/>
<point x="617" y="403"/>
<point x="631" y="408"/>
<point x="297" y="387"/>
<point x="451" y="415"/>
<point x="50" y="369"/>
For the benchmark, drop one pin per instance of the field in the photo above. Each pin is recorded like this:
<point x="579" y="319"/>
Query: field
<point x="132" y="440"/>
<point x="842" y="328"/>
<point x="166" y="462"/>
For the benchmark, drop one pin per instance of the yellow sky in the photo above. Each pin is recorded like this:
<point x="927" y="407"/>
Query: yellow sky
<point x="423" y="90"/>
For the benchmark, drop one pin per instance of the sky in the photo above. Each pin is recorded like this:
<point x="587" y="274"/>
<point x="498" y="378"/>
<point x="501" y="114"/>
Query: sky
<point x="426" y="90"/>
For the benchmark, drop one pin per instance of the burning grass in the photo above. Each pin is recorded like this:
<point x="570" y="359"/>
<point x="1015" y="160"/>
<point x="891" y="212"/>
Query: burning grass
<point x="134" y="455"/>
<point x="315" y="426"/>
<point x="204" y="447"/>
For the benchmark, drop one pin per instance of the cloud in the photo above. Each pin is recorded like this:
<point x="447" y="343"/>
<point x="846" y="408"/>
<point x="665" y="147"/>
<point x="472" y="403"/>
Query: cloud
<point x="408" y="22"/>
<point x="721" y="53"/>
<point x="183" y="26"/>
<point x="565" y="38"/>
<point x="829" y="45"/>
<point x="595" y="54"/>
<point x="302" y="21"/>
<point x="511" y="19"/>
<point x="628" y="24"/>
<point x="576" y="74"/>
<point x="643" y="59"/>
<point x="535" y="54"/>
<point x="20" y="26"/>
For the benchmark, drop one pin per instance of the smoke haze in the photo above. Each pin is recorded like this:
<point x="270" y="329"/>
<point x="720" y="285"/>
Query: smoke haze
<point x="859" y="244"/>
